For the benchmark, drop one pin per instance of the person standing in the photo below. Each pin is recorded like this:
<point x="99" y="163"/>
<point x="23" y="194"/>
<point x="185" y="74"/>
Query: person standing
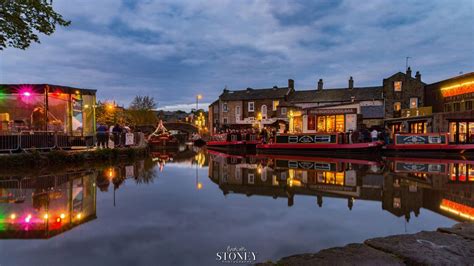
<point x="102" y="137"/>
<point x="374" y="134"/>
<point x="117" y="131"/>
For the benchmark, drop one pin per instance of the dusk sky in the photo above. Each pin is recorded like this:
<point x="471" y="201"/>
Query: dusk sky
<point x="175" y="49"/>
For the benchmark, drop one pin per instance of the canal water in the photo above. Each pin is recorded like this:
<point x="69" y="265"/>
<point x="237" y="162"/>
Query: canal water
<point x="184" y="207"/>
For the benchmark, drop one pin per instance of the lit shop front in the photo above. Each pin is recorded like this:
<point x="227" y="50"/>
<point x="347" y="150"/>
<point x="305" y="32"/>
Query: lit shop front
<point x="458" y="101"/>
<point x="42" y="107"/>
<point x="453" y="107"/>
<point x="330" y="120"/>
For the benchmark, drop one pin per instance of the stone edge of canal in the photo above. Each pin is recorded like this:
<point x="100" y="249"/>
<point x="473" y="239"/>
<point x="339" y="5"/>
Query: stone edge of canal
<point x="61" y="157"/>
<point x="446" y="246"/>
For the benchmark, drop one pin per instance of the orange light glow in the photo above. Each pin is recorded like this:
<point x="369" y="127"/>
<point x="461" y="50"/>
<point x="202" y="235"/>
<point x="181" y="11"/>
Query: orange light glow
<point x="46" y="216"/>
<point x="458" y="209"/>
<point x="463" y="88"/>
<point x="13" y="216"/>
<point x="58" y="220"/>
<point x="62" y="216"/>
<point x="79" y="216"/>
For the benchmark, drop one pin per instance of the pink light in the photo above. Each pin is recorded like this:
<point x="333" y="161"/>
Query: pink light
<point x="28" y="218"/>
<point x="27" y="93"/>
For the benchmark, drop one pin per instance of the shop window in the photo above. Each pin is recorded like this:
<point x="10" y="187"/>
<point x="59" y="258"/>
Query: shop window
<point x="457" y="107"/>
<point x="331" y="123"/>
<point x="397" y="106"/>
<point x="414" y="102"/>
<point x="283" y="110"/>
<point x="311" y="122"/>
<point x="251" y="106"/>
<point x="340" y="123"/>
<point x="468" y="105"/>
<point x="397" y="86"/>
<point x="447" y="107"/>
<point x="275" y="105"/>
<point x="418" y="127"/>
<point x="321" y="123"/>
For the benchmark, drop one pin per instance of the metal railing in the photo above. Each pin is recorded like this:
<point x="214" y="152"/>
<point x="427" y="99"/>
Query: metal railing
<point x="42" y="140"/>
<point x="45" y="140"/>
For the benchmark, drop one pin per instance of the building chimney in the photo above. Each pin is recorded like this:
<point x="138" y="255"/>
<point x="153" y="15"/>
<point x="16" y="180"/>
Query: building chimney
<point x="409" y="72"/>
<point x="351" y="83"/>
<point x="418" y="76"/>
<point x="320" y="84"/>
<point x="291" y="84"/>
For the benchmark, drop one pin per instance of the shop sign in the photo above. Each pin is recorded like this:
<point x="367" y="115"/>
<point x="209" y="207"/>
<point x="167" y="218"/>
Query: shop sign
<point x="420" y="167"/>
<point x="333" y="111"/>
<point x="420" y="139"/>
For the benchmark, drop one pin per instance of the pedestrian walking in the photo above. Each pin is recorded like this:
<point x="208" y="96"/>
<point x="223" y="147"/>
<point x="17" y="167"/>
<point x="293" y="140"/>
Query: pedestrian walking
<point x="374" y="135"/>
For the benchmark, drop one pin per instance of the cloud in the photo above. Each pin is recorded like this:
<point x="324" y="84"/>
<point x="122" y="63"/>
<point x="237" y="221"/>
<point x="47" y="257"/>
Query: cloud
<point x="175" y="49"/>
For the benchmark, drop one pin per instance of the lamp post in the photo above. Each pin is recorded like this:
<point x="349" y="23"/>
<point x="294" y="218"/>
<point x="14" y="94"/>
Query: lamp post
<point x="198" y="97"/>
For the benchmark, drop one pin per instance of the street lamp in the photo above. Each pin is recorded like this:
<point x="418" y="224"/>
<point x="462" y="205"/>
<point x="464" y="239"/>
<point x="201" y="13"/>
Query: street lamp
<point x="198" y="97"/>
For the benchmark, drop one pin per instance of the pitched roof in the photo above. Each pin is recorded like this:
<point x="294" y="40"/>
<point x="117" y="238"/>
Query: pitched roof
<point x="254" y="94"/>
<point x="337" y="95"/>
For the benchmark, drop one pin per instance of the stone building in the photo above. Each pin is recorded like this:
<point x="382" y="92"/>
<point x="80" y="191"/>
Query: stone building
<point x="404" y="97"/>
<point x="336" y="109"/>
<point x="245" y="108"/>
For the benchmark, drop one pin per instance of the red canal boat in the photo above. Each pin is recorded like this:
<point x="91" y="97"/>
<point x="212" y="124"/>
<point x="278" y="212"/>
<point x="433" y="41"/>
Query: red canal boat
<point x="429" y="142"/>
<point x="304" y="143"/>
<point x="234" y="142"/>
<point x="162" y="138"/>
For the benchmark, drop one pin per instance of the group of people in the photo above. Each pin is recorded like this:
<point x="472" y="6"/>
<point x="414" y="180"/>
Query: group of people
<point x="367" y="135"/>
<point x="113" y="133"/>
<point x="265" y="134"/>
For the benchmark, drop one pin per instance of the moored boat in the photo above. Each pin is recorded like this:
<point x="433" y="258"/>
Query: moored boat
<point x="317" y="142"/>
<point x="234" y="142"/>
<point x="162" y="138"/>
<point x="429" y="142"/>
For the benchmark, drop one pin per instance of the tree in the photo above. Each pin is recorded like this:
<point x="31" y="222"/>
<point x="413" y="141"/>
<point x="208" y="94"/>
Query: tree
<point x="20" y="20"/>
<point x="145" y="103"/>
<point x="140" y="111"/>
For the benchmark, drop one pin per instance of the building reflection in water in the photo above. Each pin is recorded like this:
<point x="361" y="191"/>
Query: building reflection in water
<point x="43" y="206"/>
<point x="402" y="185"/>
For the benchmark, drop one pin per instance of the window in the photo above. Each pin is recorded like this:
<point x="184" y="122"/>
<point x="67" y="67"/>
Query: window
<point x="251" y="107"/>
<point x="275" y="105"/>
<point x="397" y="106"/>
<point x="447" y="107"/>
<point x="457" y="107"/>
<point x="224" y="107"/>
<point x="397" y="86"/>
<point x="225" y="120"/>
<point x="414" y="102"/>
<point x="311" y="122"/>
<point x="264" y="111"/>
<point x="251" y="178"/>
<point x="237" y="110"/>
<point x="468" y="105"/>
<point x="283" y="110"/>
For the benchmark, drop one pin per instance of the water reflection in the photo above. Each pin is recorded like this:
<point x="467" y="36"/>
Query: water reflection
<point x="402" y="185"/>
<point x="44" y="205"/>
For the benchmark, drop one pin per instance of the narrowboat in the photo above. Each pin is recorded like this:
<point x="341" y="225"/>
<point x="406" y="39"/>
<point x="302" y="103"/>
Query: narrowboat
<point x="311" y="143"/>
<point x="432" y="143"/>
<point x="163" y="141"/>
<point x="234" y="142"/>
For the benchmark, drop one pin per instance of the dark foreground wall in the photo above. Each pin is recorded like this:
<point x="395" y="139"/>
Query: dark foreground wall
<point x="446" y="246"/>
